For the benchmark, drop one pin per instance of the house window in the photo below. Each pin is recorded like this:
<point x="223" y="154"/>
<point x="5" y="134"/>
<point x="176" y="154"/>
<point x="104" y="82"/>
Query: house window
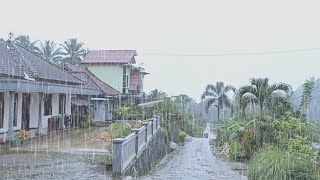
<point x="15" y="110"/>
<point x="62" y="103"/>
<point x="1" y="109"/>
<point x="125" y="83"/>
<point x="47" y="104"/>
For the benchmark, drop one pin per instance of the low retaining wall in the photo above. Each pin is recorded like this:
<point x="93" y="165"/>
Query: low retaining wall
<point x="156" y="150"/>
<point x="125" y="150"/>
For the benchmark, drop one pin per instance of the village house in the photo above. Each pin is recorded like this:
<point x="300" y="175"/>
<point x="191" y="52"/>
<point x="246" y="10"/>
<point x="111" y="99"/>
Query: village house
<point x="33" y="90"/>
<point x="106" y="102"/>
<point x="116" y="68"/>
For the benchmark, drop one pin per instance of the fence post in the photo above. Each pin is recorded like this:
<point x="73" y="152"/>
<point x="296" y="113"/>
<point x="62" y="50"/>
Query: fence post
<point x="136" y="131"/>
<point x="151" y="120"/>
<point x="146" y="125"/>
<point x="117" y="156"/>
<point x="157" y="122"/>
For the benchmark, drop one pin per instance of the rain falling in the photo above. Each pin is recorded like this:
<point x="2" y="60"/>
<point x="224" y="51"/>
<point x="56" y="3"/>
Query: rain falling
<point x="173" y="90"/>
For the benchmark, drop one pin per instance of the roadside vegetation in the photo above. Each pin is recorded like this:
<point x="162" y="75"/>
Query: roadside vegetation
<point x="265" y="131"/>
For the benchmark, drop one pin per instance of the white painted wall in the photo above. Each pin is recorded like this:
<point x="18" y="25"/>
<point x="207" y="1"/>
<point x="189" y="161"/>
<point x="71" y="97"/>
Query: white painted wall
<point x="34" y="110"/>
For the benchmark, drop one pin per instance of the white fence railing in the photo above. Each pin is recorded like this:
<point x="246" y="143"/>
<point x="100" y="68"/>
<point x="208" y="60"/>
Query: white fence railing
<point x="126" y="149"/>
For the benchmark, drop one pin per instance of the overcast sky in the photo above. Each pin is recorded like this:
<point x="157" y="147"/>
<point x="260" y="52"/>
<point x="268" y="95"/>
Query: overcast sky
<point x="184" y="28"/>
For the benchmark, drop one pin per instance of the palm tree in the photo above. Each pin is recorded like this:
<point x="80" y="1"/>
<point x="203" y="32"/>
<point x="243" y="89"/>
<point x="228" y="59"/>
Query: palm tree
<point x="217" y="95"/>
<point x="260" y="93"/>
<point x="156" y="95"/>
<point x="24" y="41"/>
<point x="50" y="52"/>
<point x="73" y="51"/>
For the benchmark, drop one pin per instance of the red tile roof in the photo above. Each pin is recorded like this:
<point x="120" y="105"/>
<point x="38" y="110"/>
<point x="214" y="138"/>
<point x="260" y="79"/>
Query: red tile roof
<point x="110" y="57"/>
<point x="90" y="79"/>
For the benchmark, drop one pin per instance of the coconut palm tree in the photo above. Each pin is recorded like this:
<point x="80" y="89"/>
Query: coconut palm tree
<point x="156" y="95"/>
<point x="73" y="51"/>
<point x="260" y="93"/>
<point x="50" y="52"/>
<point x="24" y="41"/>
<point x="217" y="95"/>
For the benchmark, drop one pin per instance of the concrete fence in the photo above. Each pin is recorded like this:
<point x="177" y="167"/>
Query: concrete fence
<point x="126" y="149"/>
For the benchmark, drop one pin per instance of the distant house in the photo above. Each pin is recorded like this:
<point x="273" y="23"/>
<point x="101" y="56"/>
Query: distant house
<point x="115" y="67"/>
<point x="33" y="90"/>
<point x="106" y="102"/>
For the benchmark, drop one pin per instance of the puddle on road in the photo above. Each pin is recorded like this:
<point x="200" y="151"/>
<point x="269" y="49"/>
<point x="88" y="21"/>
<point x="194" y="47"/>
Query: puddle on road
<point x="73" y="141"/>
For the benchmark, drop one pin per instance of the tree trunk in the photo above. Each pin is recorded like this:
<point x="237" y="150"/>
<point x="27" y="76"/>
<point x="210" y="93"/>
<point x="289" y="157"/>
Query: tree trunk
<point x="261" y="110"/>
<point x="218" y="112"/>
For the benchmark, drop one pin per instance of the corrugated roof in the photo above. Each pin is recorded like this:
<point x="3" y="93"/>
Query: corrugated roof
<point x="87" y="80"/>
<point x="17" y="61"/>
<point x="110" y="57"/>
<point x="74" y="68"/>
<point x="91" y="80"/>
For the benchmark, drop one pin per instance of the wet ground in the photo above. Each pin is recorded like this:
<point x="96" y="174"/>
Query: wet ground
<point x="51" y="166"/>
<point x="68" y="155"/>
<point x="194" y="161"/>
<point x="73" y="141"/>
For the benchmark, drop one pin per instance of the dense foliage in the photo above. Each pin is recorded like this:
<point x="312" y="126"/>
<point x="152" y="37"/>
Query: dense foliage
<point x="271" y="135"/>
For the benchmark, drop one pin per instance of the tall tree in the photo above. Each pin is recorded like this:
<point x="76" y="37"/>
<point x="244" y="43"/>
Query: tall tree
<point x="50" y="52"/>
<point x="259" y="92"/>
<point x="156" y="95"/>
<point x="24" y="41"/>
<point x="182" y="100"/>
<point x="306" y="96"/>
<point x="73" y="51"/>
<point x="217" y="95"/>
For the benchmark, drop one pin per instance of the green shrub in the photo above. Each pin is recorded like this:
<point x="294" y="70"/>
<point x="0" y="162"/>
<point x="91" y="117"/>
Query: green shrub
<point x="119" y="130"/>
<point x="236" y="150"/>
<point x="182" y="136"/>
<point x="136" y="125"/>
<point x="272" y="163"/>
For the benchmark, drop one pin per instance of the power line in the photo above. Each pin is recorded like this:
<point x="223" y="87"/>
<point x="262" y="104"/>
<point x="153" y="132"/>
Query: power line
<point x="233" y="54"/>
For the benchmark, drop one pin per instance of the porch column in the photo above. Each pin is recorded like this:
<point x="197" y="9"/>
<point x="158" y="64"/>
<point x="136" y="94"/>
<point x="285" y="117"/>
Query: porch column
<point x="11" y="114"/>
<point x="61" y="123"/>
<point x="40" y="114"/>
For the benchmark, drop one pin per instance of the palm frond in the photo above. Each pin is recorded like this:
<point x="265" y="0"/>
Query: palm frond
<point x="209" y="103"/>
